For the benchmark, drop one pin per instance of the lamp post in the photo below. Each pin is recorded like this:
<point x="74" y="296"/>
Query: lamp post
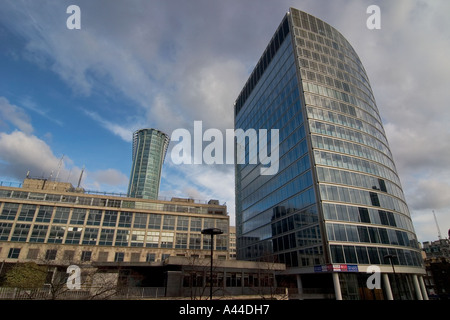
<point x="390" y="257"/>
<point x="212" y="232"/>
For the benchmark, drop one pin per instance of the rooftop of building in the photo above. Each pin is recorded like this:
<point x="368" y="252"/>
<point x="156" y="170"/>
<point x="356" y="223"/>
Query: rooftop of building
<point x="39" y="187"/>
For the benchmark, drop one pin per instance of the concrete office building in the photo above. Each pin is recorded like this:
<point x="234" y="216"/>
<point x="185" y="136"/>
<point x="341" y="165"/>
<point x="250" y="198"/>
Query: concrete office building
<point x="149" y="150"/>
<point x="336" y="205"/>
<point x="72" y="227"/>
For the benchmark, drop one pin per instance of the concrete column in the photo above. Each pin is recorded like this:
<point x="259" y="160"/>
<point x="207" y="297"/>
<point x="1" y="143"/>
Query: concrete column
<point x="337" y="286"/>
<point x="417" y="287"/>
<point x="299" y="284"/>
<point x="387" y="286"/>
<point x="424" y="289"/>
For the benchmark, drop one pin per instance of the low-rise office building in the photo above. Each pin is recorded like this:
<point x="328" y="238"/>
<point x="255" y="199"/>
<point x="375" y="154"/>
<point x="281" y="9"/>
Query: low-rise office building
<point x="46" y="221"/>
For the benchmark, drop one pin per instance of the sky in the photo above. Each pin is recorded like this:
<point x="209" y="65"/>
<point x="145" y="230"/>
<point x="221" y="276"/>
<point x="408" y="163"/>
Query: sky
<point x="72" y="98"/>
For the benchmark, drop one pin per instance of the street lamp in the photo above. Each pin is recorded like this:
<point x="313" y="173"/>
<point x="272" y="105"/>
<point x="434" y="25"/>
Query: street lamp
<point x="212" y="232"/>
<point x="391" y="257"/>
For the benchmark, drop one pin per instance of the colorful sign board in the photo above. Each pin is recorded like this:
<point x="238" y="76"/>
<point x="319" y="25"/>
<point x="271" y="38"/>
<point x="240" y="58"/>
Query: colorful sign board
<point x="336" y="268"/>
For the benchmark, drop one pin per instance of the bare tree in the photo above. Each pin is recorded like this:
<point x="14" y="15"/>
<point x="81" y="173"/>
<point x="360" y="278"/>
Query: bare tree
<point x="47" y="278"/>
<point x="197" y="280"/>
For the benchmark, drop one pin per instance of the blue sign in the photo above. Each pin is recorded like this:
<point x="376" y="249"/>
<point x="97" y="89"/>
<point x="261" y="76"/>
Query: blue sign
<point x="352" y="268"/>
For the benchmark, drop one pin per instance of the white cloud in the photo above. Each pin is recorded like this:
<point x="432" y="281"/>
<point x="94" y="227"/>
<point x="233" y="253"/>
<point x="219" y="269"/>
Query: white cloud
<point x="124" y="133"/>
<point x="210" y="89"/>
<point x="21" y="152"/>
<point x="15" y="116"/>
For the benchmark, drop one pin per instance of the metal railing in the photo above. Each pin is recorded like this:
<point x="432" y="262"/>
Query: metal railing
<point x="131" y="293"/>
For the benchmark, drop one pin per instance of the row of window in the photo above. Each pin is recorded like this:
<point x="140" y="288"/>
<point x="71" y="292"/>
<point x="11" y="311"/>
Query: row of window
<point x="337" y="69"/>
<point x="337" y="53"/>
<point x="263" y="64"/>
<point x="107" y="237"/>
<point x="295" y="219"/>
<point x="290" y="130"/>
<point x="326" y="158"/>
<point x="108" y="218"/>
<point x="312" y="88"/>
<point x="353" y="233"/>
<point x="303" y="198"/>
<point x="340" y="212"/>
<point x="292" y="149"/>
<point x="350" y="148"/>
<point x="345" y="133"/>
<point x="277" y="89"/>
<point x="86" y="255"/>
<point x="292" y="164"/>
<point x="374" y="255"/>
<point x="260" y="227"/>
<point x="106" y="202"/>
<point x="347" y="78"/>
<point x="362" y="197"/>
<point x="325" y="39"/>
<point x="303" y="257"/>
<point x="358" y="180"/>
<point x="299" y="183"/>
<point x="228" y="279"/>
<point x="362" y="120"/>
<point x="302" y="238"/>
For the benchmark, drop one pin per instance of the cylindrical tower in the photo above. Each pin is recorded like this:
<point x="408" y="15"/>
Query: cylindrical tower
<point x="149" y="150"/>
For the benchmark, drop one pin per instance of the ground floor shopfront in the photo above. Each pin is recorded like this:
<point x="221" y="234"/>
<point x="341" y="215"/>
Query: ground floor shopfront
<point x="352" y="282"/>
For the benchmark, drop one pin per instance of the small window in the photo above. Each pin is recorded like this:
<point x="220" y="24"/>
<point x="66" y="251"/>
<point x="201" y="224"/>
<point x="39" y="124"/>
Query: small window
<point x="382" y="184"/>
<point x="119" y="256"/>
<point x="14" y="253"/>
<point x="86" y="256"/>
<point x="151" y="257"/>
<point x="50" y="254"/>
<point x="364" y="215"/>
<point x="33" y="254"/>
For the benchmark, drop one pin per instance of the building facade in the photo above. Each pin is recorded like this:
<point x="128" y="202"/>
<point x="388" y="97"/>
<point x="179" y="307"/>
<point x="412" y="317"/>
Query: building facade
<point x="437" y="265"/>
<point x="336" y="205"/>
<point x="65" y="227"/>
<point x="149" y="150"/>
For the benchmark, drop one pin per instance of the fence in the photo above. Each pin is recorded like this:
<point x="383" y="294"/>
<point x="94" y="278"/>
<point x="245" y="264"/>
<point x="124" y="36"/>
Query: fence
<point x="132" y="293"/>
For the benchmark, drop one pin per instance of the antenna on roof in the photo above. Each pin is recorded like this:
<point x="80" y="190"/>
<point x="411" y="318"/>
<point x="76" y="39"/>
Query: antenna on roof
<point x="81" y="175"/>
<point x="59" y="167"/>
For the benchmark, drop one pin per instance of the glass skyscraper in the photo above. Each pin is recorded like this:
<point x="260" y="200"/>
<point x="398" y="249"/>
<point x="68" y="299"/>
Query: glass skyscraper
<point x="336" y="205"/>
<point x="149" y="150"/>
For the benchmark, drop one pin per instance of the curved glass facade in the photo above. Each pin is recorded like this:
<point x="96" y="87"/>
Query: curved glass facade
<point x="149" y="150"/>
<point x="337" y="197"/>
